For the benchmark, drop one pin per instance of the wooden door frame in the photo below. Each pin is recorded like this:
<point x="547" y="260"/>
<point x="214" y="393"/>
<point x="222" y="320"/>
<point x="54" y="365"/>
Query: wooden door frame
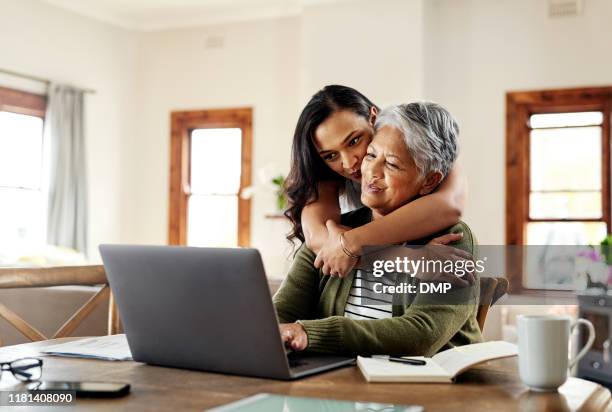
<point x="182" y="123"/>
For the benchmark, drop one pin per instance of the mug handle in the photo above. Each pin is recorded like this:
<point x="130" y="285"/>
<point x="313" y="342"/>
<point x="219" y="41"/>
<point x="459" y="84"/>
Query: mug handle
<point x="589" y="343"/>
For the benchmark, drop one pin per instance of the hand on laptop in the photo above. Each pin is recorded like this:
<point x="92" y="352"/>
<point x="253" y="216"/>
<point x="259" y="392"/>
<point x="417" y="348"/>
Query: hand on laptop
<point x="294" y="336"/>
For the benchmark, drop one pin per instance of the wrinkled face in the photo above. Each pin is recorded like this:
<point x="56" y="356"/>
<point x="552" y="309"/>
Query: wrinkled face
<point x="390" y="176"/>
<point x="342" y="140"/>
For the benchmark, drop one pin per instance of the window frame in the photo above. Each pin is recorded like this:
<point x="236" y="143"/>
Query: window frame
<point x="17" y="101"/>
<point x="26" y="103"/>
<point x="519" y="107"/>
<point x="182" y="124"/>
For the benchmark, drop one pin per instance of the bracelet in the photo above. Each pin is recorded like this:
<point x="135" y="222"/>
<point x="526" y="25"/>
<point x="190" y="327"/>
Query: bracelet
<point x="346" y="251"/>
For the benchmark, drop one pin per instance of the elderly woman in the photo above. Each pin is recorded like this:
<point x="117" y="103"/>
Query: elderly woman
<point x="413" y="149"/>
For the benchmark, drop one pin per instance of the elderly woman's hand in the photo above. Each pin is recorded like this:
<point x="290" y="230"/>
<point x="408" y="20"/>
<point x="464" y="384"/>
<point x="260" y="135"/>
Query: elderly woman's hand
<point x="331" y="259"/>
<point x="294" y="336"/>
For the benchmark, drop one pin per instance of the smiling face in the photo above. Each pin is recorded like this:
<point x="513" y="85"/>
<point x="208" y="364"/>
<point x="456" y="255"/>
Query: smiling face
<point x="390" y="176"/>
<point x="342" y="140"/>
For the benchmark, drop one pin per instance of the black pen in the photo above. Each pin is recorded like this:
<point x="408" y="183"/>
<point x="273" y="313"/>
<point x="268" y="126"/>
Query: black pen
<point x="415" y="362"/>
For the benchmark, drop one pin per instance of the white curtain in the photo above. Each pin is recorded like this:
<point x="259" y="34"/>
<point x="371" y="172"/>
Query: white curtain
<point x="64" y="129"/>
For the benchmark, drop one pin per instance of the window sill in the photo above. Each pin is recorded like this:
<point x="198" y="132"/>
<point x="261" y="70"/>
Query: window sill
<point x="540" y="297"/>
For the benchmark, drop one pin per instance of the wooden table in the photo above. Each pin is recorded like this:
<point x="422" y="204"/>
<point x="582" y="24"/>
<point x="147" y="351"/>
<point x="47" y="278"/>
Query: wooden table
<point x="492" y="386"/>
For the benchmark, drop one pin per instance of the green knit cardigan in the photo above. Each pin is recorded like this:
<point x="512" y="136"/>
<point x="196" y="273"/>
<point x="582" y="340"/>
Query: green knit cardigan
<point x="418" y="327"/>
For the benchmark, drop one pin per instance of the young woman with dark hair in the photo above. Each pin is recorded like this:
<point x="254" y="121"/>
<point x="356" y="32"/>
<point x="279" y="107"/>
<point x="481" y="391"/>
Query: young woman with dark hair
<point x="330" y="141"/>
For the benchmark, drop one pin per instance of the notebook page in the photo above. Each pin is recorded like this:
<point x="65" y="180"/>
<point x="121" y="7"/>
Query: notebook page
<point x="381" y="370"/>
<point x="458" y="359"/>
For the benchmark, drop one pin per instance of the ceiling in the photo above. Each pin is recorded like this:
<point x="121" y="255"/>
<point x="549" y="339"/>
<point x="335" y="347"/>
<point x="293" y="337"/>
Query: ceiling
<point x="145" y="15"/>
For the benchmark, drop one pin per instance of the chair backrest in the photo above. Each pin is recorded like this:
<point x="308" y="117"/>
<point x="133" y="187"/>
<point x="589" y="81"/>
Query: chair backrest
<point x="491" y="289"/>
<point x="500" y="289"/>
<point x="16" y="278"/>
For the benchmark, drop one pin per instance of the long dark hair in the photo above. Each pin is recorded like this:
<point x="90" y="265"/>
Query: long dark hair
<point x="307" y="167"/>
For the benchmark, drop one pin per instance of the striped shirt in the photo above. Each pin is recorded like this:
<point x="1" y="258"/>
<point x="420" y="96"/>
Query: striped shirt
<point x="363" y="302"/>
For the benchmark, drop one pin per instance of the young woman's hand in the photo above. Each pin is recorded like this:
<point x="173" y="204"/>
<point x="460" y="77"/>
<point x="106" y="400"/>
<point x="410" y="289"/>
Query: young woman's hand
<point x="446" y="239"/>
<point x="331" y="259"/>
<point x="294" y="336"/>
<point x="438" y="249"/>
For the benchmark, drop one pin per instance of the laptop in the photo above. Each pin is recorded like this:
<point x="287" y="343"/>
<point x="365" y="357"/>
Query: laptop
<point x="205" y="309"/>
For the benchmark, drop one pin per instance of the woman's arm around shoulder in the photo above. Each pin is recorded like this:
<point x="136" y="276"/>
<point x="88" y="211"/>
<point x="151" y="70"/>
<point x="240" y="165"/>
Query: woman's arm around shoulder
<point x="316" y="213"/>
<point x="418" y="219"/>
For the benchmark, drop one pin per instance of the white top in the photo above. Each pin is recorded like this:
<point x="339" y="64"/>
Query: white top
<point x="350" y="197"/>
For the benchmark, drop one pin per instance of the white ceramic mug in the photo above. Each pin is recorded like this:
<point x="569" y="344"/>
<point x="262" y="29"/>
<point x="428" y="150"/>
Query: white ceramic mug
<point x="543" y="343"/>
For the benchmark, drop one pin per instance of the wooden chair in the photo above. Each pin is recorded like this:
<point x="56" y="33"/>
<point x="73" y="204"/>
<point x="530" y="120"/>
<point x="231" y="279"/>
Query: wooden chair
<point x="491" y="289"/>
<point x="14" y="278"/>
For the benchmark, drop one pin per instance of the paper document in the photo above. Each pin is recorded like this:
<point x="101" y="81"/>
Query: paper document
<point x="113" y="347"/>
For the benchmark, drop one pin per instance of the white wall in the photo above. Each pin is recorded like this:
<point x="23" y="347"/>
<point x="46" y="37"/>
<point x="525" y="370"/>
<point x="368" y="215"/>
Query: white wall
<point x="373" y="46"/>
<point x="477" y="50"/>
<point x="42" y="40"/>
<point x="257" y="66"/>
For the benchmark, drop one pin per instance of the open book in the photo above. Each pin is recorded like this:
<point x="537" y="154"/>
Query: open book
<point x="442" y="367"/>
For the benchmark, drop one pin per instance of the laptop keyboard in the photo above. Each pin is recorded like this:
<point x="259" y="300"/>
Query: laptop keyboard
<point x="295" y="359"/>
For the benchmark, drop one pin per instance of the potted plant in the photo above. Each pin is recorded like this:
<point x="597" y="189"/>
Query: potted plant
<point x="281" y="199"/>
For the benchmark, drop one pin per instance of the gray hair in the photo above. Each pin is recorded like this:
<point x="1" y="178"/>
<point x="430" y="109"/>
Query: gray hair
<point x="430" y="132"/>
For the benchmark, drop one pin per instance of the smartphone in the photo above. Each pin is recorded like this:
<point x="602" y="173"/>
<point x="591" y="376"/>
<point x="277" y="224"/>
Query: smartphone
<point x="84" y="389"/>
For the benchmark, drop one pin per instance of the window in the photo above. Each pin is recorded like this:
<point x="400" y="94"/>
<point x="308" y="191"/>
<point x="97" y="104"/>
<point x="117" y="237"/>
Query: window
<point x="23" y="200"/>
<point x="557" y="169"/>
<point x="215" y="185"/>
<point x="210" y="168"/>
<point x="566" y="202"/>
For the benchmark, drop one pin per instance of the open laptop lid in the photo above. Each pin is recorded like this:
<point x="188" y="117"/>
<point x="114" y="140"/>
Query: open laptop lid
<point x="197" y="308"/>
